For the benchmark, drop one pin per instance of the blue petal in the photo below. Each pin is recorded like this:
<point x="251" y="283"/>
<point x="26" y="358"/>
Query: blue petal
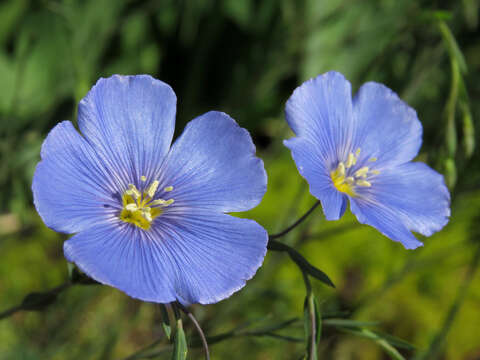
<point x="311" y="165"/>
<point x="216" y="254"/>
<point x="387" y="128"/>
<point x="191" y="258"/>
<point x="213" y="165"/>
<point x="320" y="110"/>
<point x="408" y="197"/>
<point x="125" y="257"/>
<point x="129" y="120"/>
<point x="72" y="188"/>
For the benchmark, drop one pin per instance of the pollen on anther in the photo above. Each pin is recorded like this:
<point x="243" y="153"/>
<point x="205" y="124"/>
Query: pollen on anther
<point x="363" y="183"/>
<point x="168" y="188"/>
<point x="362" y="172"/>
<point x="152" y="189"/>
<point x="143" y="178"/>
<point x="133" y="191"/>
<point x="350" y="161"/>
<point x="131" y="207"/>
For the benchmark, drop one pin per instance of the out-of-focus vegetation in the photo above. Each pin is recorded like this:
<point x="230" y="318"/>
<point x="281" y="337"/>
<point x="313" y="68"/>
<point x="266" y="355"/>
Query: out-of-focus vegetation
<point x="245" y="57"/>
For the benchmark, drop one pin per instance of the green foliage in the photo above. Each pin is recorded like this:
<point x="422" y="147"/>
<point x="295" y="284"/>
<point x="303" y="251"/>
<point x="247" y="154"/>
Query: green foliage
<point x="180" y="348"/>
<point x="245" y="57"/>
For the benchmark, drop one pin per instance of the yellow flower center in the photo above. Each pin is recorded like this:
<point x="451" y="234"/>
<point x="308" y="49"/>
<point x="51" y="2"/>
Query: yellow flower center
<point x="345" y="179"/>
<point x="140" y="208"/>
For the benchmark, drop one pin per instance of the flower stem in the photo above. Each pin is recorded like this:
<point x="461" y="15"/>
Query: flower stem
<point x="295" y="224"/>
<point x="37" y="300"/>
<point x="198" y="327"/>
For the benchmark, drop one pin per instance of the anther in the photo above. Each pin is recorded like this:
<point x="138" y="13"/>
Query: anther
<point x="131" y="207"/>
<point x="362" y="172"/>
<point x="133" y="191"/>
<point x="147" y="214"/>
<point x="139" y="208"/>
<point x="341" y="169"/>
<point x="363" y="183"/>
<point x="143" y="178"/>
<point x="350" y="161"/>
<point x="162" y="202"/>
<point x="152" y="189"/>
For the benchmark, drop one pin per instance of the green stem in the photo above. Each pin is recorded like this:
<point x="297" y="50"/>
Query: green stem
<point x="295" y="224"/>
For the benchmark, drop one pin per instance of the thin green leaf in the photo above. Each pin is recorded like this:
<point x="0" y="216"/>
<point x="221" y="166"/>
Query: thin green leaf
<point x="312" y="326"/>
<point x="302" y="263"/>
<point x="165" y="321"/>
<point x="37" y="301"/>
<point x="452" y="46"/>
<point x="450" y="172"/>
<point x="468" y="128"/>
<point x="395" y="341"/>
<point x="349" y="323"/>
<point x="381" y="341"/>
<point x="450" y="106"/>
<point x="180" y="348"/>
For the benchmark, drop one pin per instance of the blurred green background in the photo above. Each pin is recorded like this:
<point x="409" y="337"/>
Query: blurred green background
<point x="245" y="57"/>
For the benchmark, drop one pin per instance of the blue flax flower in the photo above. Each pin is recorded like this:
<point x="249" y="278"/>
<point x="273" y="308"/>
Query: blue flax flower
<point x="149" y="219"/>
<point x="361" y="150"/>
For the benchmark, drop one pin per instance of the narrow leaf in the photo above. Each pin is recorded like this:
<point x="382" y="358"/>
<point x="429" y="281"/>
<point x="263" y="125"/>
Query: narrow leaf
<point x="349" y="323"/>
<point x="452" y="46"/>
<point x="395" y="341"/>
<point x="312" y="326"/>
<point x="468" y="129"/>
<point x="165" y="321"/>
<point x="37" y="301"/>
<point x="301" y="262"/>
<point x="382" y="342"/>
<point x="180" y="348"/>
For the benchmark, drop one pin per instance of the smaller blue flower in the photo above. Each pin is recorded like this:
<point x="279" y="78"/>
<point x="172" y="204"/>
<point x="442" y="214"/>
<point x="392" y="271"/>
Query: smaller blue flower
<point x="149" y="218"/>
<point x="361" y="150"/>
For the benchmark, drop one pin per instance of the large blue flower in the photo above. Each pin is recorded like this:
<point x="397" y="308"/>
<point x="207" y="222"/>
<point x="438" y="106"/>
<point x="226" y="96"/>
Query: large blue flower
<point x="149" y="219"/>
<point x="361" y="150"/>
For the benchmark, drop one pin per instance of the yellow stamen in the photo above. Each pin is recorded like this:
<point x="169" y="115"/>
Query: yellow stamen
<point x="362" y="172"/>
<point x="350" y="161"/>
<point x="131" y="207"/>
<point x="363" y="183"/>
<point x="342" y="176"/>
<point x="140" y="209"/>
<point x="133" y="191"/>
<point x="341" y="183"/>
<point x="341" y="169"/>
<point x="152" y="189"/>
